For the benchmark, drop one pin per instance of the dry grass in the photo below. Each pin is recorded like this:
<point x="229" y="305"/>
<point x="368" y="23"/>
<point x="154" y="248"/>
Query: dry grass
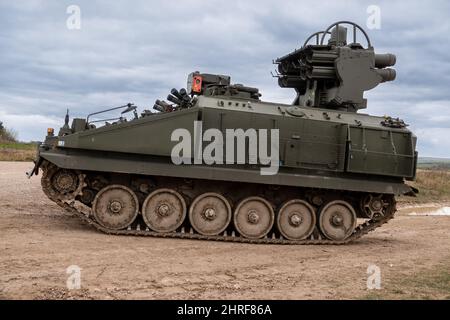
<point x="433" y="185"/>
<point x="16" y="151"/>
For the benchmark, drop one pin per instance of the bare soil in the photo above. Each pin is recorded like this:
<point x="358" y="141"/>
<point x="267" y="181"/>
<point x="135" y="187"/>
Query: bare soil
<point x="39" y="241"/>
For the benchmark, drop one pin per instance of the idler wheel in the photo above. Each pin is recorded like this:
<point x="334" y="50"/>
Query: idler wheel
<point x="254" y="217"/>
<point x="115" y="207"/>
<point x="210" y="214"/>
<point x="296" y="219"/>
<point x="61" y="184"/>
<point x="337" y="220"/>
<point x="164" y="210"/>
<point x="65" y="181"/>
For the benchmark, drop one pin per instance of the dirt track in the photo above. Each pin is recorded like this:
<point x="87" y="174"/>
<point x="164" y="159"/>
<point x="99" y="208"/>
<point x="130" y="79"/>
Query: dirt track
<point x="38" y="241"/>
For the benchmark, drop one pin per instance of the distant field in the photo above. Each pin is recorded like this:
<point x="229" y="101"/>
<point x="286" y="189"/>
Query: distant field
<point x="433" y="163"/>
<point x="17" y="151"/>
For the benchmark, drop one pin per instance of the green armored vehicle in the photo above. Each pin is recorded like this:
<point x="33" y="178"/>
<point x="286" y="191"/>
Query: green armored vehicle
<point x="217" y="163"/>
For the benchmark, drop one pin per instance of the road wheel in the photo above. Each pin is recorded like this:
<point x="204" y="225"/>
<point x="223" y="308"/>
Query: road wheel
<point x="253" y="217"/>
<point x="296" y="219"/>
<point x="164" y="210"/>
<point x="115" y="207"/>
<point x="337" y="220"/>
<point x="210" y="214"/>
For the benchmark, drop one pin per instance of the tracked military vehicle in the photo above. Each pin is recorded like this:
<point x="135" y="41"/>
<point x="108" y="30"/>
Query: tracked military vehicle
<point x="338" y="170"/>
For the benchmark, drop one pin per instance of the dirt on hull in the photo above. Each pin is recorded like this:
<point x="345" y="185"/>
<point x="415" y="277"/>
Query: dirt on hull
<point x="39" y="241"/>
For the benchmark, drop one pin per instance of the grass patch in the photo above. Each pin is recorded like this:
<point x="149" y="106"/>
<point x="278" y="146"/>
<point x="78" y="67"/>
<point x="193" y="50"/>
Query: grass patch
<point x="13" y="150"/>
<point x="433" y="284"/>
<point x="433" y="185"/>
<point x="18" y="146"/>
<point x="17" y="151"/>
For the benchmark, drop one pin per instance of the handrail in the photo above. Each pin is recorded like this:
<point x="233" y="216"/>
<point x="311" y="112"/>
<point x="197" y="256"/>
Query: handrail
<point x="128" y="105"/>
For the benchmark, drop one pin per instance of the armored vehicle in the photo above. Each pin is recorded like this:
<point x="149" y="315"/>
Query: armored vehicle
<point x="332" y="174"/>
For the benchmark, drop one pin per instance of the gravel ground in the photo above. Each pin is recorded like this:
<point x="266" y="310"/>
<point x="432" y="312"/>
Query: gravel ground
<point x="39" y="241"/>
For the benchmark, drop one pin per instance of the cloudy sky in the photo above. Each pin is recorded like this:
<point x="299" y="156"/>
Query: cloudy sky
<point x="136" y="51"/>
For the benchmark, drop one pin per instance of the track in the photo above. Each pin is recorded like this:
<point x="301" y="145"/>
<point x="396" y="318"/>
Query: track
<point x="84" y="212"/>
